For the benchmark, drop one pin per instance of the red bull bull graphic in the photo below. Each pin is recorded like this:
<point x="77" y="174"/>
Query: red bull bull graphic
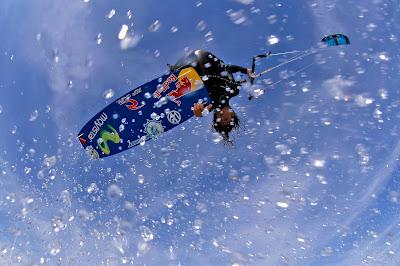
<point x="183" y="86"/>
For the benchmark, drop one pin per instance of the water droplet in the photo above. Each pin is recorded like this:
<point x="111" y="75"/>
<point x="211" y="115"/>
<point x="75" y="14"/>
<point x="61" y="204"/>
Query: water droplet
<point x="197" y="225"/>
<point x="360" y="70"/>
<point x="142" y="140"/>
<point x="141" y="179"/>
<point x="272" y="19"/>
<point x="40" y="174"/>
<point x="209" y="36"/>
<point x="169" y="204"/>
<point x="371" y="27"/>
<point x="130" y="41"/>
<point x="383" y="93"/>
<point x="245" y="2"/>
<point x="321" y="179"/>
<point x="205" y="112"/>
<point x="54" y="247"/>
<point x="327" y="251"/>
<point x="205" y="78"/>
<point x="185" y="163"/>
<point x="52" y="174"/>
<point x="282" y="204"/>
<point x="146" y="233"/>
<point x="216" y="137"/>
<point x="34" y="115"/>
<point x="119" y="177"/>
<point x="123" y="31"/>
<point x="129" y="14"/>
<point x="233" y="174"/>
<point x="255" y="10"/>
<point x="283" y="149"/>
<point x="114" y="192"/>
<point x="284" y="168"/>
<point x="147" y="95"/>
<point x="66" y="197"/>
<point x="98" y="38"/>
<point x="14" y="129"/>
<point x="161" y="102"/>
<point x="319" y="163"/>
<point x="27" y="170"/>
<point x="154" y="116"/>
<point x="155" y="26"/>
<point x="50" y="161"/>
<point x="121" y="128"/>
<point x="85" y="215"/>
<point x="11" y="197"/>
<point x="362" y="100"/>
<point x="237" y="17"/>
<point x="174" y="29"/>
<point x="54" y="251"/>
<point x="92" y="189"/>
<point x="202" y="25"/>
<point x="56" y="57"/>
<point x="111" y="13"/>
<point x="384" y="56"/>
<point x="394" y="196"/>
<point x="326" y="121"/>
<point x="272" y="39"/>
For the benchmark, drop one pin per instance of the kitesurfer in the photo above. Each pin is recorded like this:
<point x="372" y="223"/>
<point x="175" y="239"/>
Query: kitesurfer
<point x="221" y="86"/>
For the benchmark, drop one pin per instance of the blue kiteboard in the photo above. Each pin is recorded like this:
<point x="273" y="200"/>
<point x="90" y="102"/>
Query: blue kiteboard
<point x="144" y="113"/>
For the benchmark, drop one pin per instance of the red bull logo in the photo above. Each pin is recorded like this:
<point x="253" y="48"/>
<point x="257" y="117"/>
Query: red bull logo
<point x="165" y="86"/>
<point x="183" y="86"/>
<point x="188" y="80"/>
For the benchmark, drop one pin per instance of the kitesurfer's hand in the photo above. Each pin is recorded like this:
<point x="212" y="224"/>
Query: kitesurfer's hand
<point x="251" y="74"/>
<point x="198" y="109"/>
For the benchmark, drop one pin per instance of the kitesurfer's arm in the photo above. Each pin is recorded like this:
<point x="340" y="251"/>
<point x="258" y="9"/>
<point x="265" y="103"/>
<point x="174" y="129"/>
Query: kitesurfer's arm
<point x="234" y="69"/>
<point x="198" y="109"/>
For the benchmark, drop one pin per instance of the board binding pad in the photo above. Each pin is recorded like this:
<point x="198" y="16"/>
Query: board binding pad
<point x="144" y="113"/>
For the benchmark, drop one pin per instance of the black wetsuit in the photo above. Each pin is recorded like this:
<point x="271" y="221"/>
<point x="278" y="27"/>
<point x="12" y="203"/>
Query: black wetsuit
<point x="216" y="75"/>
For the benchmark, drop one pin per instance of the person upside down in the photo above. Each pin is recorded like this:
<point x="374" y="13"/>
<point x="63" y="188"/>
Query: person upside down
<point x="221" y="86"/>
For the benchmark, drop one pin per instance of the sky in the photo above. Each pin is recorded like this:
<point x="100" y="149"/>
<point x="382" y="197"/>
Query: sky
<point x="312" y="178"/>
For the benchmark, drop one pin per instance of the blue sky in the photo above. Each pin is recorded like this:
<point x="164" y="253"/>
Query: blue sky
<point x="313" y="176"/>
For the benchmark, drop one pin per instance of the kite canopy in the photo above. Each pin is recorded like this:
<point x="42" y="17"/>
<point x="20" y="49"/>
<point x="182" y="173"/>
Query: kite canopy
<point x="336" y="39"/>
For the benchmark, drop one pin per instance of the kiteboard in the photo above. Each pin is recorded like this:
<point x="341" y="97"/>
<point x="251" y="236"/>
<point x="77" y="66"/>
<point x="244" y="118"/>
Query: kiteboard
<point x="144" y="113"/>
